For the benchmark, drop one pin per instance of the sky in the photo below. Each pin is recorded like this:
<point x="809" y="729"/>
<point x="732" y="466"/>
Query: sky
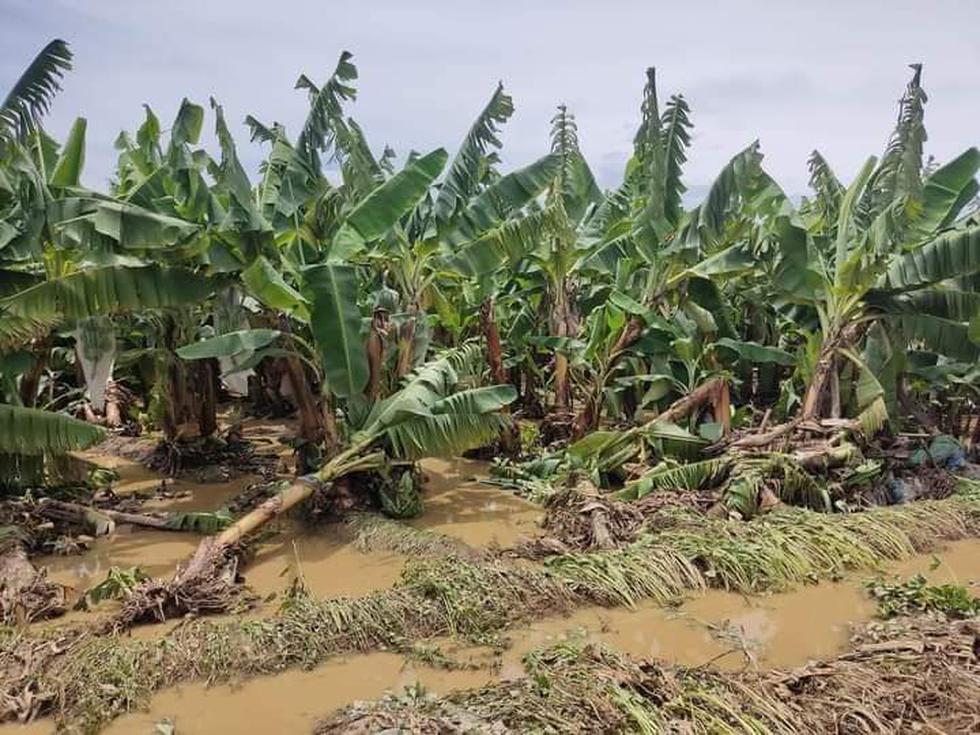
<point x="796" y="75"/>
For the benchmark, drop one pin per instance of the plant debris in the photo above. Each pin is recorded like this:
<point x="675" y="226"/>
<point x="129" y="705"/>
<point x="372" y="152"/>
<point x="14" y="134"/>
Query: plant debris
<point x="920" y="675"/>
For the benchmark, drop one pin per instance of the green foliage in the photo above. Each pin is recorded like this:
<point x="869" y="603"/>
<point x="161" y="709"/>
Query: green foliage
<point x="336" y="323"/>
<point x="671" y="476"/>
<point x="30" y="431"/>
<point x="464" y="177"/>
<point x="110" y="290"/>
<point x="118" y="584"/>
<point x="229" y="344"/>
<point x="386" y="205"/>
<point x="915" y="595"/>
<point x="200" y="522"/>
<point x="30" y="97"/>
<point x="401" y="497"/>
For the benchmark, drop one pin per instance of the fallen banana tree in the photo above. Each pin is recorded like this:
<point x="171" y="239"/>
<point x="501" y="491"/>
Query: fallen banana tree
<point x="750" y="482"/>
<point x="432" y="415"/>
<point x="609" y="449"/>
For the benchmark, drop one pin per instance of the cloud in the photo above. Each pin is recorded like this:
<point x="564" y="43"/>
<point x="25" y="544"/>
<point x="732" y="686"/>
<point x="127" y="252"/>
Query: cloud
<point x="796" y="76"/>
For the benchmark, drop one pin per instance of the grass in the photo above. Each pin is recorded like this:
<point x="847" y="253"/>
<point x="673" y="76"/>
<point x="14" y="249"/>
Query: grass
<point x="627" y="576"/>
<point x="793" y="546"/>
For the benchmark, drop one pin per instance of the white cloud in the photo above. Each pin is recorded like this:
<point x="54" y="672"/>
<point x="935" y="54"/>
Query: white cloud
<point x="797" y="76"/>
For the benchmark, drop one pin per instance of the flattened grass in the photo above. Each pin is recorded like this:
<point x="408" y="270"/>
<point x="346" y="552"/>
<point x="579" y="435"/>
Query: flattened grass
<point x="794" y="546"/>
<point x="373" y="532"/>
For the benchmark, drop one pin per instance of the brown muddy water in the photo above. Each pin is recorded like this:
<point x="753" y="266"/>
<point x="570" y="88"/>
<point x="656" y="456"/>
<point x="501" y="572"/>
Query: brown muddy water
<point x="720" y="629"/>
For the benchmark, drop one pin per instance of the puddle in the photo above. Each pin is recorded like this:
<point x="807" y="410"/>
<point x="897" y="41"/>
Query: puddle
<point x="646" y="632"/>
<point x="328" y="566"/>
<point x="958" y="563"/>
<point x="784" y="630"/>
<point x="290" y="702"/>
<point x="720" y="629"/>
<point x="156" y="551"/>
<point x="459" y="506"/>
<point x="775" y="631"/>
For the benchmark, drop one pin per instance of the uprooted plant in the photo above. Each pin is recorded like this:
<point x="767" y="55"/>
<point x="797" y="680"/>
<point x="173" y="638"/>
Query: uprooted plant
<point x="430" y="414"/>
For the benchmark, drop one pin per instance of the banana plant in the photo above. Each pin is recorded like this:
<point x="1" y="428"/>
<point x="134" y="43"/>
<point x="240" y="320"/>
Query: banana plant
<point x="878" y="267"/>
<point x="896" y="271"/>
<point x="63" y="253"/>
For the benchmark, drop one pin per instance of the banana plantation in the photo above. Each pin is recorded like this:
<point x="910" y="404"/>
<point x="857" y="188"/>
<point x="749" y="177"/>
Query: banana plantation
<point x="436" y="444"/>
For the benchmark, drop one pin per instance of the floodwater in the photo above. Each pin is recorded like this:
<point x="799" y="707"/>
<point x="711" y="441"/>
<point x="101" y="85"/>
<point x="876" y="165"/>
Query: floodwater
<point x="719" y="629"/>
<point x="291" y="702"/>
<point x="458" y="505"/>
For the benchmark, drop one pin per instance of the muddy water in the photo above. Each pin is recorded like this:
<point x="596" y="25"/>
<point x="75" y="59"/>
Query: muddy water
<point x="732" y="631"/>
<point x="958" y="563"/>
<point x="458" y="505"/>
<point x="291" y="702"/>
<point x="721" y="629"/>
<point x="324" y="561"/>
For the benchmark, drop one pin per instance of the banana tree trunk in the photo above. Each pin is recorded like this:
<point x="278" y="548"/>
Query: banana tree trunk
<point x="169" y="391"/>
<point x="589" y="416"/>
<point x="206" y="580"/>
<point x="377" y="337"/>
<point x="331" y="434"/>
<point x="311" y="427"/>
<point x="815" y="398"/>
<point x="560" y="320"/>
<point x="495" y="360"/>
<point x="31" y="380"/>
<point x="406" y="344"/>
<point x="314" y="428"/>
<point x="722" y="408"/>
<point x="531" y="405"/>
<point x="713" y="392"/>
<point x="834" y="380"/>
<point x="207" y="378"/>
<point x="113" y="405"/>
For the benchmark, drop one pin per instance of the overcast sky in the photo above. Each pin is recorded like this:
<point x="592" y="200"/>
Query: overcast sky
<point x="797" y="75"/>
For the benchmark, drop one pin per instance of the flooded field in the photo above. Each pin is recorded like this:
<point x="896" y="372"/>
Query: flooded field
<point x="724" y="630"/>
